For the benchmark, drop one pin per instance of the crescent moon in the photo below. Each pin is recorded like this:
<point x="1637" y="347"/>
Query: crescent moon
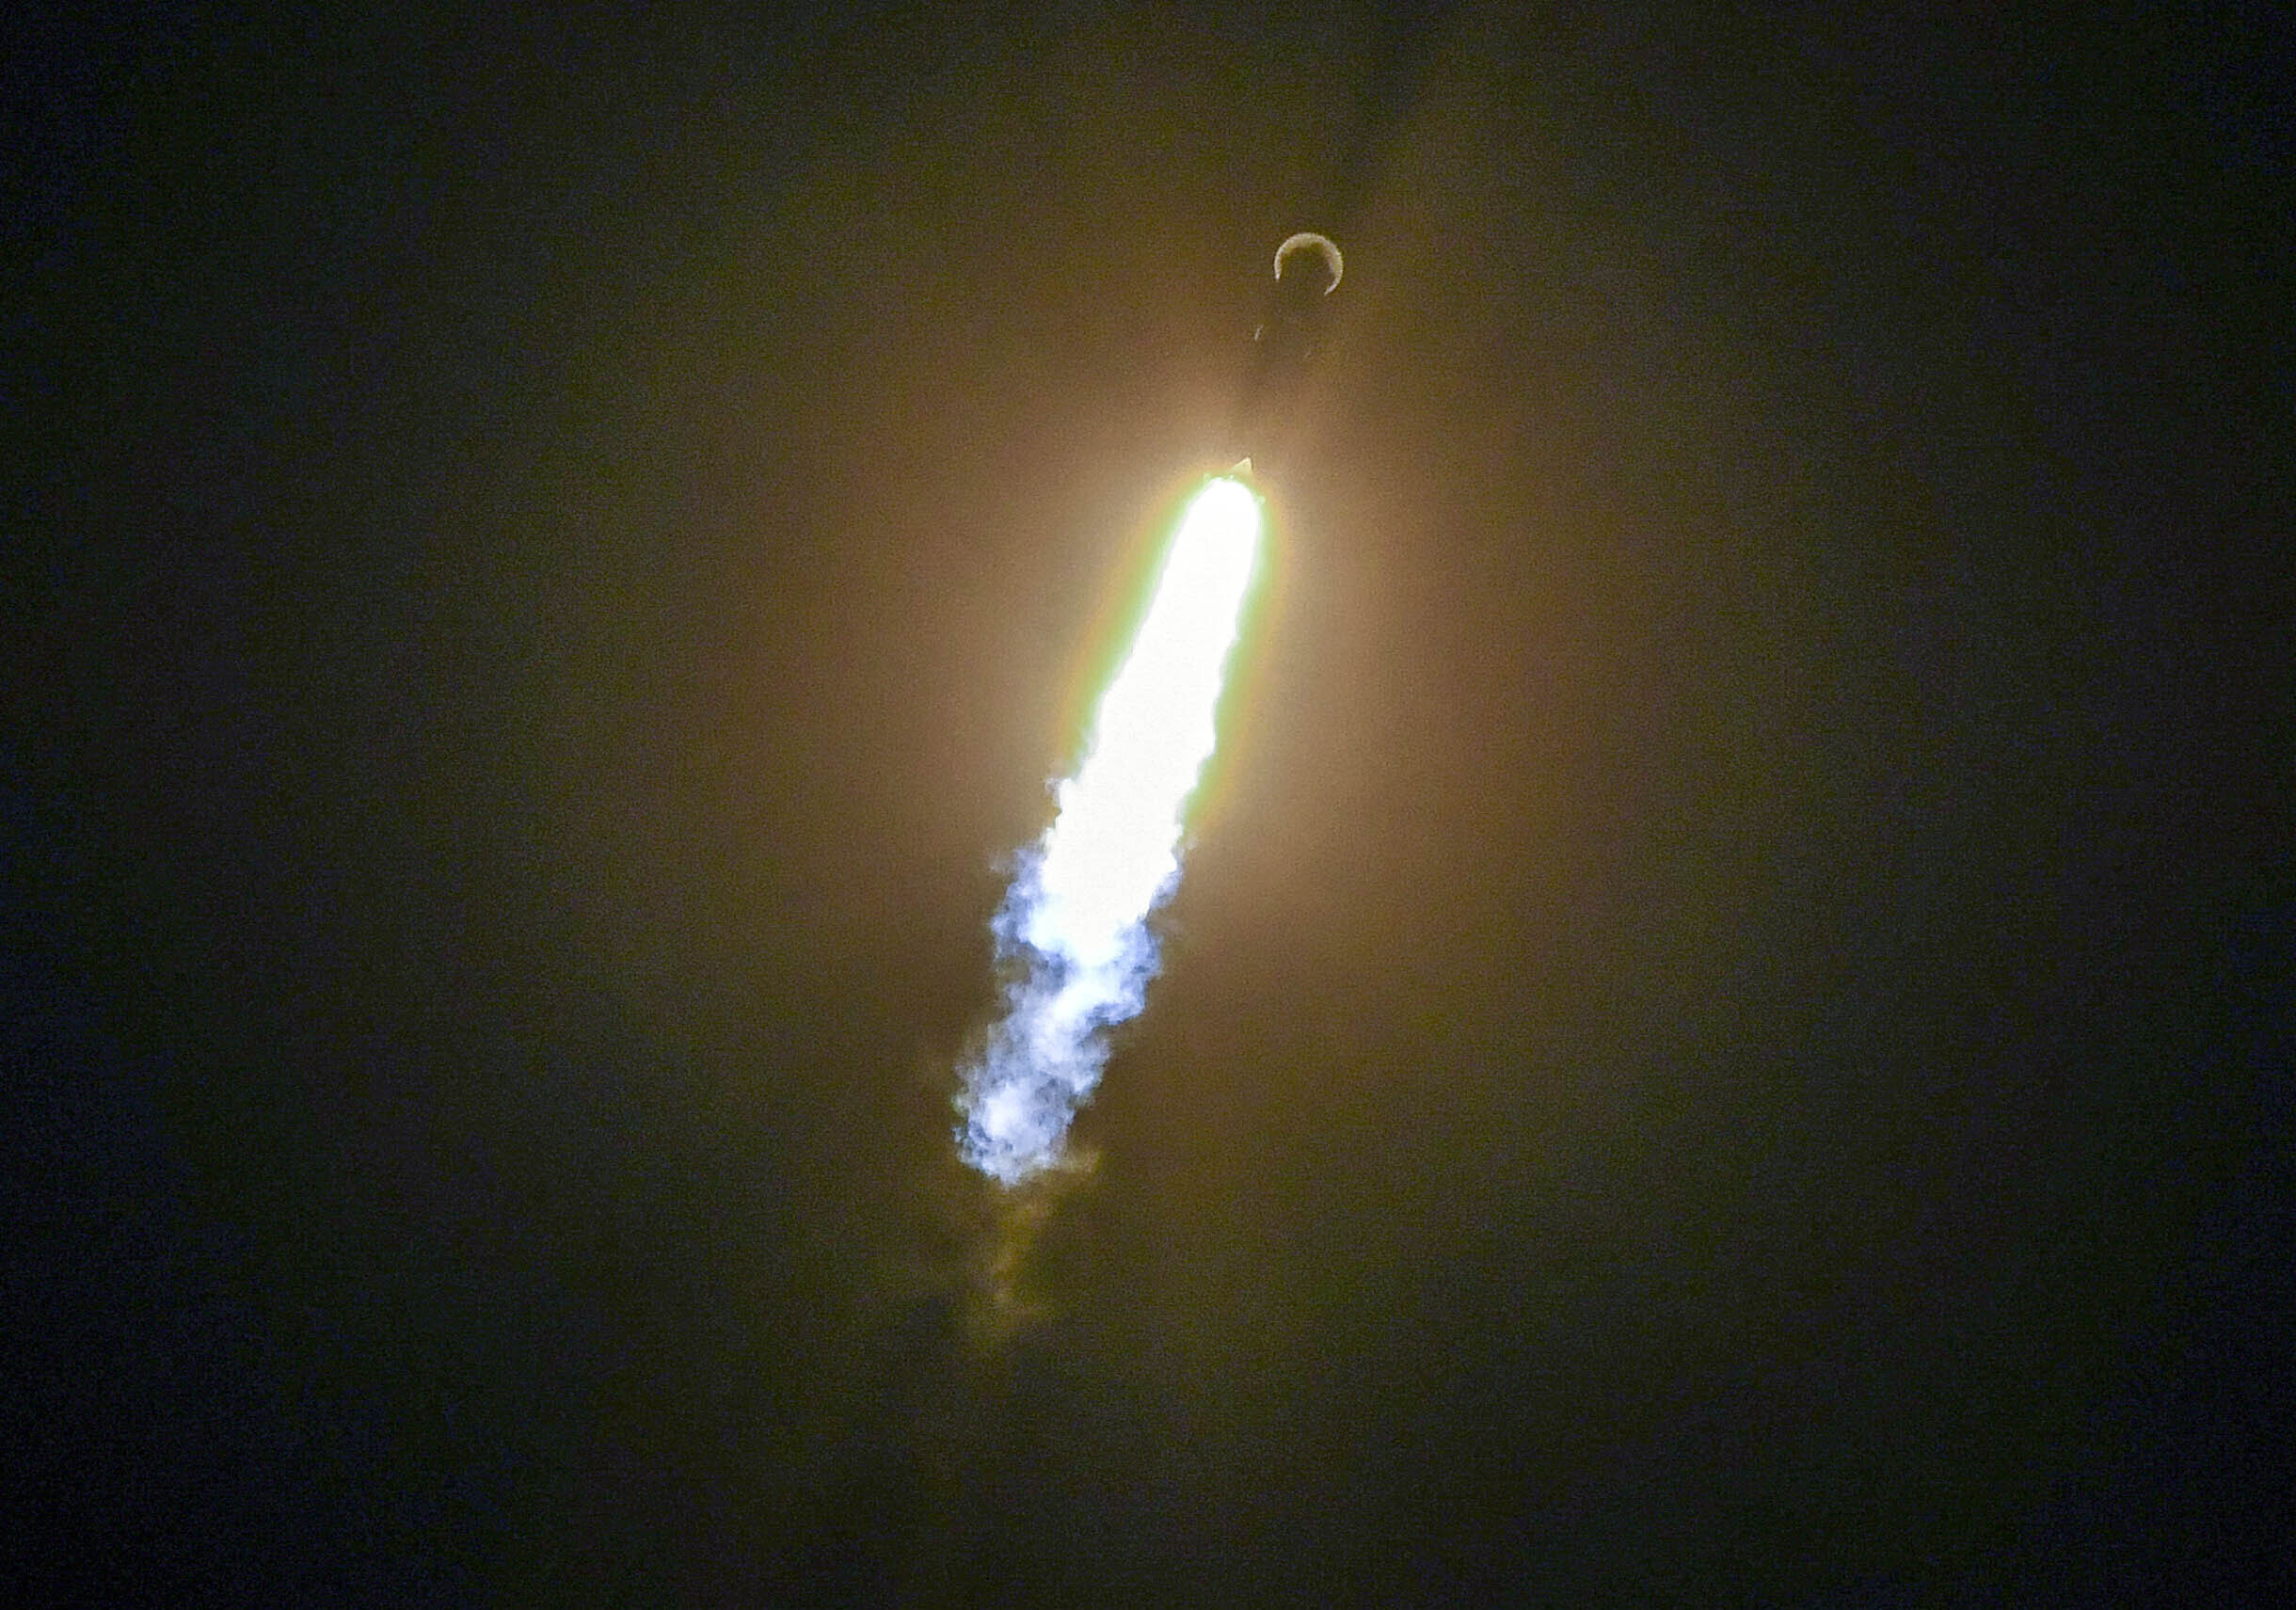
<point x="1324" y="244"/>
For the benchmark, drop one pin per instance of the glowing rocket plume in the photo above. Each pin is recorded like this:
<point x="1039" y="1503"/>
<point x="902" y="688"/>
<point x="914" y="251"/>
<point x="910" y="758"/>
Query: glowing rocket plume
<point x="1074" y="924"/>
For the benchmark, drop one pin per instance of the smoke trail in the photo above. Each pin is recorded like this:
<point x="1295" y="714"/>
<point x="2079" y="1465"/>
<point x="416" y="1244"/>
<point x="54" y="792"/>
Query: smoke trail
<point x="1073" y="929"/>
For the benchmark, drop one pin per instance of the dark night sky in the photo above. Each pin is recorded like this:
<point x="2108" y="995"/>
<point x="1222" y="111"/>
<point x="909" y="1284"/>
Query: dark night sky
<point x="1726" y="1036"/>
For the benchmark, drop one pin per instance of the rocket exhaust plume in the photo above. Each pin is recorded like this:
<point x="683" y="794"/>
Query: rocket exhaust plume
<point x="1072" y="936"/>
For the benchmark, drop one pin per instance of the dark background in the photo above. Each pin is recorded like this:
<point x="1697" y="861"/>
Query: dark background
<point x="1726" y="1039"/>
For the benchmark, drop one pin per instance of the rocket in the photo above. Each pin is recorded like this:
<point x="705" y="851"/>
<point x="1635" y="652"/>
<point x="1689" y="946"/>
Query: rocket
<point x="1285" y="344"/>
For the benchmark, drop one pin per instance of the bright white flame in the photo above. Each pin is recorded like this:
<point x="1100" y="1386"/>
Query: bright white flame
<point x="1074" y="924"/>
